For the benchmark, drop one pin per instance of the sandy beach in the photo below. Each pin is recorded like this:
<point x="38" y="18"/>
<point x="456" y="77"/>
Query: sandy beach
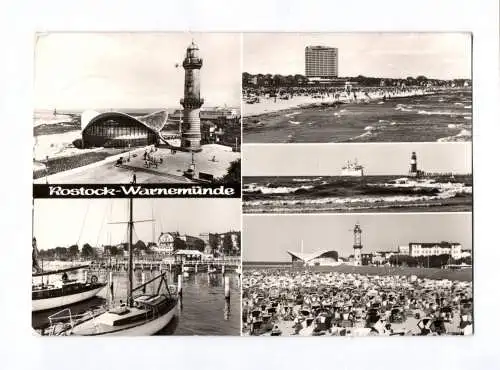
<point x="308" y="303"/>
<point x="271" y="104"/>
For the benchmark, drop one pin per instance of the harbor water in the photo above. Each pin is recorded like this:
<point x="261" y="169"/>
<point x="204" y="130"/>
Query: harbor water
<point x="204" y="310"/>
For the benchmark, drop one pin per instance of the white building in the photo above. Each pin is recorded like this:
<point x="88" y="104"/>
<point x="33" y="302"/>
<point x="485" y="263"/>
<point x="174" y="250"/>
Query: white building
<point x="318" y="258"/>
<point x="165" y="244"/>
<point x="321" y="61"/>
<point x="382" y="257"/>
<point x="431" y="249"/>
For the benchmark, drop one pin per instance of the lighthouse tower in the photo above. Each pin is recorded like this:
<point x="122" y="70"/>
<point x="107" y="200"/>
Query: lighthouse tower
<point x="357" y="245"/>
<point x="191" y="132"/>
<point x="413" y="165"/>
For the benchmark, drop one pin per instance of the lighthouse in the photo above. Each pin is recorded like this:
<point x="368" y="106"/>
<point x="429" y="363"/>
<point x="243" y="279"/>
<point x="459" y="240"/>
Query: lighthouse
<point x="413" y="165"/>
<point x="357" y="244"/>
<point x="191" y="131"/>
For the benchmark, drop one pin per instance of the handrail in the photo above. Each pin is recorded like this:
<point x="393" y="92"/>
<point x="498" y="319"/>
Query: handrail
<point x="73" y="319"/>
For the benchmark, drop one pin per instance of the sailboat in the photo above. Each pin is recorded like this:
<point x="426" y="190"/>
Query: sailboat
<point x="144" y="314"/>
<point x="46" y="296"/>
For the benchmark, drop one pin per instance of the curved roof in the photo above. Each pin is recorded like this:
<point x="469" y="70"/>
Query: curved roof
<point x="154" y="121"/>
<point x="310" y="256"/>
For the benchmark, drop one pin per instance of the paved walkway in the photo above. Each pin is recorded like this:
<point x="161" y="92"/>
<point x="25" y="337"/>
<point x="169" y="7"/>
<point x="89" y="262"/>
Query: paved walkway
<point x="213" y="159"/>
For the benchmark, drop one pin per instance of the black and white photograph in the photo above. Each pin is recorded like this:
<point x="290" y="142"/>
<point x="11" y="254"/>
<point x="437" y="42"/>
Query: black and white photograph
<point x="358" y="275"/>
<point x="162" y="107"/>
<point x="332" y="178"/>
<point x="136" y="267"/>
<point x="357" y="87"/>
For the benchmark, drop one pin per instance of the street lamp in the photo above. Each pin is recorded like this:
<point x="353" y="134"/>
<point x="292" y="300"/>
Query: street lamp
<point x="193" y="163"/>
<point x="47" y="169"/>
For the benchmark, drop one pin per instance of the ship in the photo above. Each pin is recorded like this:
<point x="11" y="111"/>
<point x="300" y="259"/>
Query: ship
<point x="47" y="296"/>
<point x="141" y="314"/>
<point x="352" y="169"/>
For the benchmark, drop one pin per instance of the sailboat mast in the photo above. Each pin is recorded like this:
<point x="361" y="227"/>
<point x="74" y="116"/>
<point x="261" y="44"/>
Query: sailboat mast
<point x="130" y="264"/>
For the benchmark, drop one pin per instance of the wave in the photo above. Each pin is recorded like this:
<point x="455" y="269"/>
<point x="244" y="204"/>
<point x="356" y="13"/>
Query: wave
<point x="352" y="201"/>
<point x="250" y="208"/>
<point x="467" y="106"/>
<point x="360" y="201"/>
<point x="438" y="113"/>
<point x="294" y="122"/>
<point x="289" y="115"/>
<point x="306" y="180"/>
<point x="463" y="135"/>
<point x="366" y="134"/>
<point x="317" y="192"/>
<point x="468" y="117"/>
<point x="404" y="108"/>
<point x="254" y="188"/>
<point x="464" y="132"/>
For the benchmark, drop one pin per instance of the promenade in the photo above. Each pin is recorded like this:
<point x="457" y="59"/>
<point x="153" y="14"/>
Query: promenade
<point x="213" y="159"/>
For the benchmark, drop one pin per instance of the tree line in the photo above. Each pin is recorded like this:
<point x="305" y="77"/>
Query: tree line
<point x="297" y="80"/>
<point x="218" y="248"/>
<point x="87" y="251"/>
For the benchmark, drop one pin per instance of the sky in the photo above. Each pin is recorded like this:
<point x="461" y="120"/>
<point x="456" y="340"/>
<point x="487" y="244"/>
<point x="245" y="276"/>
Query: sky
<point x="378" y="159"/>
<point x="268" y="237"/>
<point x="389" y="55"/>
<point x="132" y="70"/>
<point x="63" y="222"/>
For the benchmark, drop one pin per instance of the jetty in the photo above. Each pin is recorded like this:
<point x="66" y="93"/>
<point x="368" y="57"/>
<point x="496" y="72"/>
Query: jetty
<point x="169" y="264"/>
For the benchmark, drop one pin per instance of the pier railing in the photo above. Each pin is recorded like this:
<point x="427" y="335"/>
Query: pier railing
<point x="168" y="263"/>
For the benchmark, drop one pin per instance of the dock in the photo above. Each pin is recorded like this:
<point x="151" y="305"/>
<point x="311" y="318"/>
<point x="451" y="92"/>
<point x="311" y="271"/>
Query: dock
<point x="224" y="264"/>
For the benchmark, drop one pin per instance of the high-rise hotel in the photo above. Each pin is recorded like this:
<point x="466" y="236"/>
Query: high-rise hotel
<point x="322" y="62"/>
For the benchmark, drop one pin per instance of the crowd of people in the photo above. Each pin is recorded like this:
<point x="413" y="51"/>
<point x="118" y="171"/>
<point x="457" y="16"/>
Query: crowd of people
<point x="150" y="159"/>
<point x="339" y="94"/>
<point x="287" y="302"/>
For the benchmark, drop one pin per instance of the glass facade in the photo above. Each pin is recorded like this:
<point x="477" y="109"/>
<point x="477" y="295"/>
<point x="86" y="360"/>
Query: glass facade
<point x="119" y="132"/>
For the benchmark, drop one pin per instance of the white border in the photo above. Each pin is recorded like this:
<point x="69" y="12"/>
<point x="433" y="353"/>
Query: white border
<point x="20" y="19"/>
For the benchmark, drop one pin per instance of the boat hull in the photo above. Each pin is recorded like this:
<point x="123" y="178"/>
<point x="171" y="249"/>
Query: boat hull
<point x="55" y="302"/>
<point x="146" y="328"/>
<point x="150" y="328"/>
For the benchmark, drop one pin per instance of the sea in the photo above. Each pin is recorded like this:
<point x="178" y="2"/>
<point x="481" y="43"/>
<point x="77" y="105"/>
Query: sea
<point x="315" y="194"/>
<point x="204" y="310"/>
<point x="441" y="117"/>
